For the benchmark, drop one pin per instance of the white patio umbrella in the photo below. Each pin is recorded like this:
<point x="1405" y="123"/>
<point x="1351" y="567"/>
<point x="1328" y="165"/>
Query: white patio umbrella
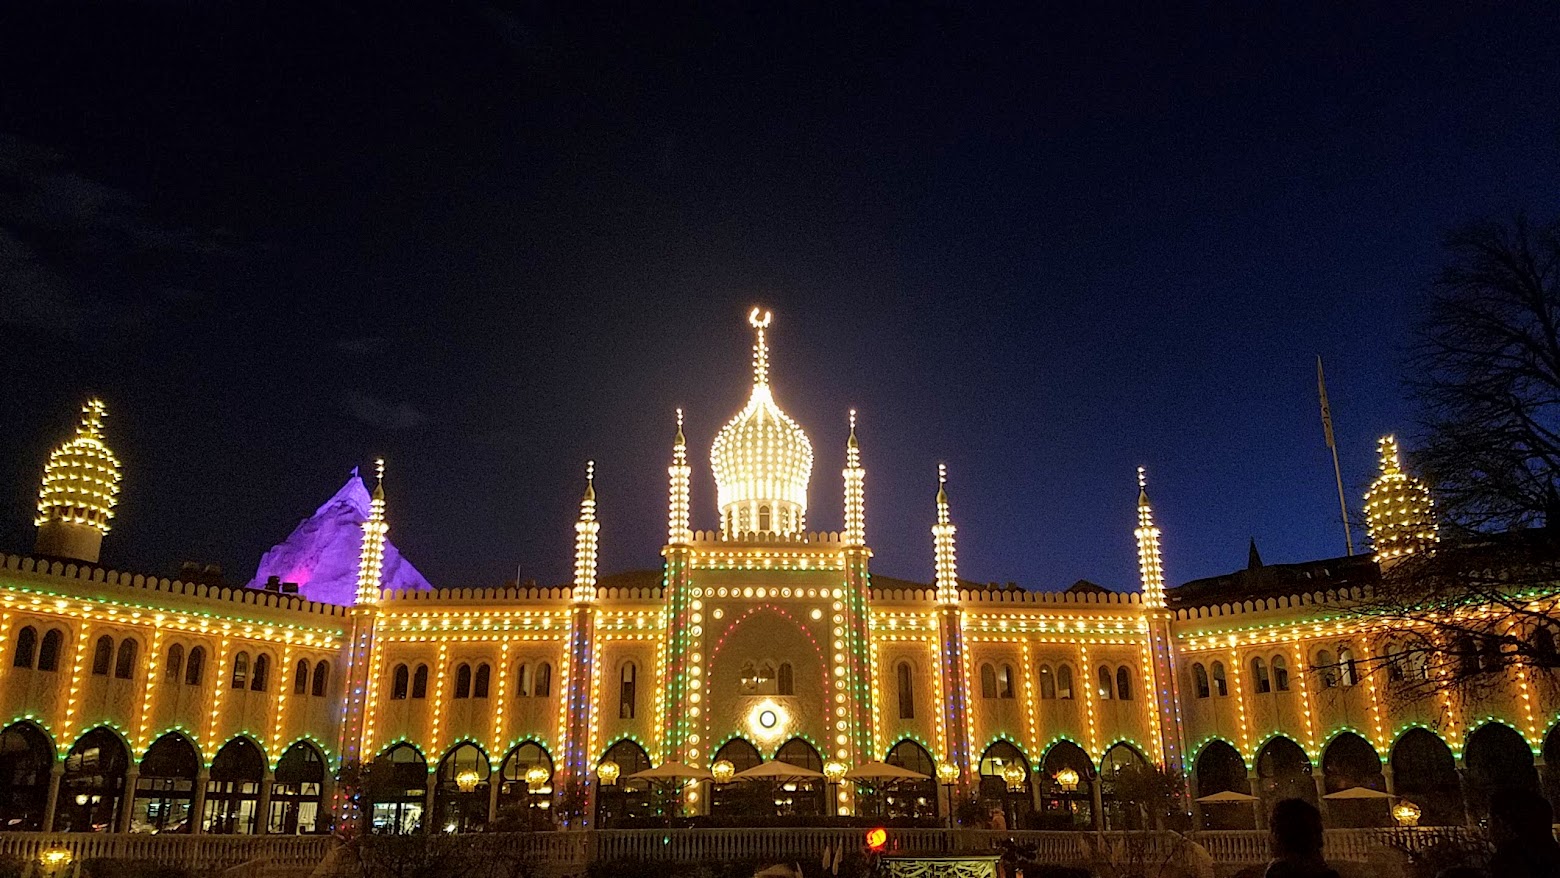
<point x="1228" y="797"/>
<point x="671" y="771"/>
<point x="775" y="770"/>
<point x="879" y="771"/>
<point x="1358" y="793"/>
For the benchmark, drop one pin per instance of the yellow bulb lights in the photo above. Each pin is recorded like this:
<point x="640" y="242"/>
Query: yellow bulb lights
<point x="1399" y="512"/>
<point x="1149" y="566"/>
<point x="762" y="459"/>
<point x="371" y="562"/>
<point x="81" y="480"/>
<point x="585" y="536"/>
<point x="943" y="545"/>
<point x="855" y="491"/>
<point x="678" y="475"/>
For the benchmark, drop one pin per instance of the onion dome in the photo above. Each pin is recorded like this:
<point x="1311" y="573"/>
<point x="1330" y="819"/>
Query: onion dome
<point x="81" y="481"/>
<point x="1399" y="512"/>
<point x="762" y="459"/>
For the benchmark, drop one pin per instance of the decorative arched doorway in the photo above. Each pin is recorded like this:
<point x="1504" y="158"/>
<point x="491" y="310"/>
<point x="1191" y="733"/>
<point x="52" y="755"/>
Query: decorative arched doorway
<point x="1497" y="757"/>
<point x="1284" y="772"/>
<point x="1220" y="769"/>
<point x="165" y="791"/>
<point x="739" y="802"/>
<point x="296" y="792"/>
<point x="1066" y="802"/>
<point x="460" y="793"/>
<point x="1552" y="757"/>
<point x="92" y="790"/>
<point x="26" y="755"/>
<point x="914" y="800"/>
<point x="997" y="792"/>
<point x="395" y="789"/>
<point x="525" y="788"/>
<point x="624" y="802"/>
<point x="1347" y="763"/>
<point x="233" y="793"/>
<point x="802" y="798"/>
<point x="1126" y="789"/>
<point x="1425" y="773"/>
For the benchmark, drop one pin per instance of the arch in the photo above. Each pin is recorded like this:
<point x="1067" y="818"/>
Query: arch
<point x="1349" y="761"/>
<point x="806" y="797"/>
<point x="1106" y="687"/>
<point x="1261" y="683"/>
<point x="26" y="755"/>
<point x="1219" y="769"/>
<point x="321" y="681"/>
<point x="1284" y="772"/>
<point x="49" y="650"/>
<point x="301" y="678"/>
<point x="1200" y="684"/>
<point x="480" y="683"/>
<point x="1348" y="668"/>
<point x="625" y="801"/>
<point x="1047" y="682"/>
<point x="92" y="789"/>
<point x="400" y="683"/>
<point x="195" y="666"/>
<point x="1280" y="674"/>
<point x="395" y="788"/>
<point x="763" y="518"/>
<point x="738" y="798"/>
<point x="233" y="793"/>
<point x="297" y="789"/>
<point x="456" y="809"/>
<point x="1124" y="775"/>
<point x="1425" y="773"/>
<point x="523" y="680"/>
<point x="260" y="676"/>
<point x="240" y="679"/>
<point x="165" y="791"/>
<point x="993" y="790"/>
<point x="785" y="680"/>
<point x="740" y="752"/>
<point x="1221" y="686"/>
<point x="102" y="656"/>
<point x="124" y="659"/>
<point x="463" y="680"/>
<point x="1551" y="751"/>
<point x="1063" y="808"/>
<point x="543" y="686"/>
<point x="905" y="686"/>
<point x="909" y="799"/>
<point x="24" y="653"/>
<point x="1005" y="681"/>
<point x="1123" y="684"/>
<point x="1064" y="682"/>
<point x="628" y="695"/>
<point x="173" y="663"/>
<point x="1497" y="757"/>
<point x="420" y="682"/>
<point x="516" y="795"/>
<point x="988" y="681"/>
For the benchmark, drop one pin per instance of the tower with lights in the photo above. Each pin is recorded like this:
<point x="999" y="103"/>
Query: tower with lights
<point x="1399" y="511"/>
<point x="79" y="491"/>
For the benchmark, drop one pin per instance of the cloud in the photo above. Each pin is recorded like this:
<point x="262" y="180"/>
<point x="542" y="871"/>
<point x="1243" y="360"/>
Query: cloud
<point x="385" y="416"/>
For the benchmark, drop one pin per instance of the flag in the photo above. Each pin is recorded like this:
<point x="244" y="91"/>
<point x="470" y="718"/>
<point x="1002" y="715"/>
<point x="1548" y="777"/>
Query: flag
<point x="1321" y="390"/>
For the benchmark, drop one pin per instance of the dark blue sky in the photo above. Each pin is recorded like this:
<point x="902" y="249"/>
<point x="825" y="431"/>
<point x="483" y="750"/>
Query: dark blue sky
<point x="489" y="241"/>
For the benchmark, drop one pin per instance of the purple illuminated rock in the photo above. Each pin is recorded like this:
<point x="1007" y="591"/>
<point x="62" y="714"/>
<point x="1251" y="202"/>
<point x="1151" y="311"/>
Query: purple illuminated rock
<point x="322" y="553"/>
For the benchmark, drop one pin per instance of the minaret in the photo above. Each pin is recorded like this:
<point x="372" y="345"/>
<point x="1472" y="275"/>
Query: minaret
<point x="80" y="487"/>
<point x="575" y="772"/>
<point x="359" y="657"/>
<point x="678" y="476"/>
<point x="858" y="588"/>
<point x="951" y="628"/>
<point x="1157" y="618"/>
<point x="855" y="490"/>
<point x="1399" y="511"/>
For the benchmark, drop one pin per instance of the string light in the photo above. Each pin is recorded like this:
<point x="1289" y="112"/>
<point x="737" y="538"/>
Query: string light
<point x="1399" y="511"/>
<point x="81" y="481"/>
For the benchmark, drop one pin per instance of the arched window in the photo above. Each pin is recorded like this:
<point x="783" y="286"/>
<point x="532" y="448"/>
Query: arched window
<point x="301" y="677"/>
<point x="124" y="662"/>
<point x="524" y="688"/>
<point x="1105" y="687"/>
<point x="1200" y="687"/>
<point x="1064" y="682"/>
<point x="400" y="678"/>
<point x="240" y="670"/>
<point x="479" y="687"/>
<point x="1280" y="674"/>
<point x="420" y="682"/>
<point x="906" y="690"/>
<point x="1326" y="668"/>
<point x="195" y="666"/>
<point x="173" y="664"/>
<point x="261" y="678"/>
<point x="627" y="683"/>
<point x="988" y="681"/>
<point x="102" y="656"/>
<point x="49" y="652"/>
<point x="543" y="688"/>
<point x="1123" y="684"/>
<point x="26" y="645"/>
<point x="463" y="681"/>
<point x="1047" y="683"/>
<point x="763" y="518"/>
<point x="785" y="680"/>
<point x="321" y="678"/>
<point x="1221" y="686"/>
<point x="1349" y="671"/>
<point x="1259" y="676"/>
<point x="1005" y="682"/>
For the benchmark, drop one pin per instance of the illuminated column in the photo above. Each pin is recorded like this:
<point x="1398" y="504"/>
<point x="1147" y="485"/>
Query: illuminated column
<point x="855" y="491"/>
<point x="80" y="487"/>
<point x="1158" y="617"/>
<point x="853" y="705"/>
<point x="678" y="475"/>
<point x="950" y="618"/>
<point x="582" y="649"/>
<point x="360" y="644"/>
<point x="1399" y="512"/>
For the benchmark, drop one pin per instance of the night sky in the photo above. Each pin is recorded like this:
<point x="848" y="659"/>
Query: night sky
<point x="489" y="242"/>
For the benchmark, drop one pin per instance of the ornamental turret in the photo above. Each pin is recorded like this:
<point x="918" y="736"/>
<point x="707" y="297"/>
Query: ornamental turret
<point x="678" y="475"/>
<point x="1150" y="570"/>
<point x="371" y="559"/>
<point x="585" y="531"/>
<point x="1399" y="512"/>
<point x="942" y="545"/>
<point x="855" y="490"/>
<point x="762" y="459"/>
<point x="79" y="490"/>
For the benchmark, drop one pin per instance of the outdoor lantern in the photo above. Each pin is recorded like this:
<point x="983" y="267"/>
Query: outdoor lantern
<point x="536" y="776"/>
<point x="948" y="773"/>
<point x="1014" y="774"/>
<point x="608" y="772"/>
<point x="834" y="771"/>
<point x="723" y="770"/>
<point x="467" y="780"/>
<point x="1067" y="779"/>
<point x="55" y="858"/>
<point x="1406" y="813"/>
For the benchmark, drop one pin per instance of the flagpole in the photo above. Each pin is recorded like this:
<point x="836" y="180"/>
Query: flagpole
<point x="1332" y="444"/>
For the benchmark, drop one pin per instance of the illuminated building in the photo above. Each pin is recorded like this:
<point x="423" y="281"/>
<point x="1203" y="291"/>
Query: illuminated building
<point x="133" y="702"/>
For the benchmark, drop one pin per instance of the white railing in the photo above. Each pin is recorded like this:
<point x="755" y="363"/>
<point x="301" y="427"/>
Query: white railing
<point x="190" y="851"/>
<point x="1248" y="846"/>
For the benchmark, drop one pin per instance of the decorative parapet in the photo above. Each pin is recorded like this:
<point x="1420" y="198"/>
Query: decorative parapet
<point x="975" y="597"/>
<point x="1332" y="599"/>
<point x="810" y="538"/>
<point x="512" y="594"/>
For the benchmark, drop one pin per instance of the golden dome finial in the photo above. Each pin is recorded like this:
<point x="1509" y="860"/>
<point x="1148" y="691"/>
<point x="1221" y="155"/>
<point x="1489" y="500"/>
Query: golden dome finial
<point x="81" y="481"/>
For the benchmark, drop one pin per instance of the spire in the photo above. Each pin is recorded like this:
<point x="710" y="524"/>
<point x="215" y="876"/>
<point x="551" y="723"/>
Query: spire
<point x="943" y="544"/>
<point x="1399" y="511"/>
<point x="1253" y="557"/>
<point x="855" y="490"/>
<point x="678" y="475"/>
<point x="585" y="531"/>
<point x="371" y="560"/>
<point x="760" y="348"/>
<point x="1150" y="568"/>
<point x="79" y="490"/>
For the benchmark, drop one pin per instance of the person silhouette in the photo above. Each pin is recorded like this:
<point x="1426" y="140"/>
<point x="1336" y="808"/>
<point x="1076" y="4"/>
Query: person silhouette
<point x="1296" y="837"/>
